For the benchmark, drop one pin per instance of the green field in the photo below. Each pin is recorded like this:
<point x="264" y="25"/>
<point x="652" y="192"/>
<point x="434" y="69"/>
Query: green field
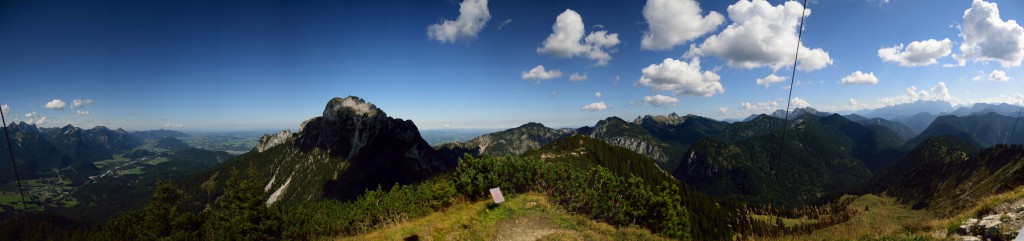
<point x="156" y="160"/>
<point x="134" y="171"/>
<point x="118" y="159"/>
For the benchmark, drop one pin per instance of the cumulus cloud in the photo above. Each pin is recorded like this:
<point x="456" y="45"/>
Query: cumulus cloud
<point x="998" y="75"/>
<point x="723" y="110"/>
<point x="917" y="53"/>
<point x="473" y="16"/>
<point x="912" y="94"/>
<point x="538" y="73"/>
<point x="770" y="79"/>
<point x="598" y="94"/>
<point x="5" y="109"/>
<point x="554" y="93"/>
<point x="661" y="101"/>
<point x="55" y="104"/>
<point x="35" y="118"/>
<point x="853" y="102"/>
<point x="988" y="38"/>
<point x="799" y="103"/>
<point x="940" y="92"/>
<point x="860" y="78"/>
<point x="596" y="106"/>
<point x="681" y="78"/>
<point x="577" y="77"/>
<point x="567" y="40"/>
<point x="173" y="125"/>
<point x="83" y="113"/>
<point x="759" y="107"/>
<point x="762" y="35"/>
<point x="674" y="22"/>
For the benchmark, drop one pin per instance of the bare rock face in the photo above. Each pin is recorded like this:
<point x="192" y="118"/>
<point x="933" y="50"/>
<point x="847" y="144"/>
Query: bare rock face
<point x="267" y="140"/>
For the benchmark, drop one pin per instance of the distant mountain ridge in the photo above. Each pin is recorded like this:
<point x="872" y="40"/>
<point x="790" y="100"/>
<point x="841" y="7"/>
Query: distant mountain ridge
<point x="822" y="155"/>
<point x="513" y="141"/>
<point x="901" y="111"/>
<point x="981" y="130"/>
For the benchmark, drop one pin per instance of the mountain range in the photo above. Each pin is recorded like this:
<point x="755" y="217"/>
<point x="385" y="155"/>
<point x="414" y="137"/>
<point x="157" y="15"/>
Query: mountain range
<point x="717" y="167"/>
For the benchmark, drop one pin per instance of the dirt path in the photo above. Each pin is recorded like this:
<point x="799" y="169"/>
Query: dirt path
<point x="527" y="228"/>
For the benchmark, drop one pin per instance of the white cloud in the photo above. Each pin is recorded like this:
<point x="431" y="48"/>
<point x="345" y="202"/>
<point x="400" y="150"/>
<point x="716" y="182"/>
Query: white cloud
<point x="674" y="22"/>
<point x="616" y="80"/>
<point x="577" y="77"/>
<point x="661" y="101"/>
<point x="446" y="125"/>
<point x="979" y="77"/>
<point x="598" y="94"/>
<point x="723" y="110"/>
<point x="938" y="92"/>
<point x="683" y="79"/>
<point x="35" y="118"/>
<point x="538" y="73"/>
<point x="567" y="40"/>
<point x="853" y="102"/>
<point x="917" y="53"/>
<point x="860" y="78"/>
<point x="596" y="106"/>
<point x="998" y="75"/>
<point x="747" y="108"/>
<point x="5" y="109"/>
<point x="799" y="103"/>
<point x="770" y="79"/>
<point x="173" y="125"/>
<point x="988" y="38"/>
<point x="554" y="93"/>
<point x="473" y="16"/>
<point x="503" y="24"/>
<point x="83" y="112"/>
<point x="56" y="104"/>
<point x="762" y="35"/>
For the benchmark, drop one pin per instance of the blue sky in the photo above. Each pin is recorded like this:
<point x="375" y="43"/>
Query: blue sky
<point x="242" y="65"/>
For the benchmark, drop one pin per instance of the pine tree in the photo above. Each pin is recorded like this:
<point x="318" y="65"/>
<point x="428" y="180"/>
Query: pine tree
<point x="241" y="213"/>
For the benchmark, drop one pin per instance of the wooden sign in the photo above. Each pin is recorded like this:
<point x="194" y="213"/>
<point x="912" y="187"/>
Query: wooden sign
<point x="496" y="195"/>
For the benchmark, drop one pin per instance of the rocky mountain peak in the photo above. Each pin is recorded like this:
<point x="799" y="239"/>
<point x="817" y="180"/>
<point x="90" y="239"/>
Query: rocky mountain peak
<point x="532" y="125"/>
<point x="338" y="107"/>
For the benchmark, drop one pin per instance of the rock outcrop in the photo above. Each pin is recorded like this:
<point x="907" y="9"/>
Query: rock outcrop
<point x="267" y="140"/>
<point x="1003" y="223"/>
